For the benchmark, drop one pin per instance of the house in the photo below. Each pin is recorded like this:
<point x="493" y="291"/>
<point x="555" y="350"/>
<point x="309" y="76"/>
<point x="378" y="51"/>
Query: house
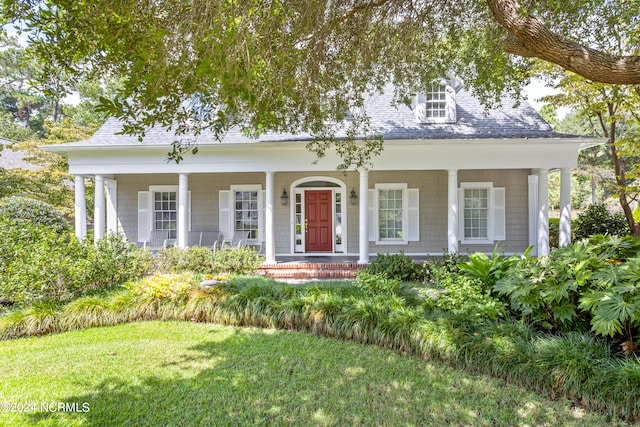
<point x="10" y="158"/>
<point x="453" y="177"/>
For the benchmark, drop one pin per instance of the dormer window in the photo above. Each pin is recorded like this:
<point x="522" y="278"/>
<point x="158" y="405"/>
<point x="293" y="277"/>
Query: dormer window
<point x="436" y="105"/>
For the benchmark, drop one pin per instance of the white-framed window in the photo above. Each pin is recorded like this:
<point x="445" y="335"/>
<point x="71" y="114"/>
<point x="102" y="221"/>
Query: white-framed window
<point x="392" y="210"/>
<point x="165" y="212"/>
<point x="436" y="104"/>
<point x="158" y="210"/>
<point x="482" y="213"/>
<point x="247" y="211"/>
<point x="241" y="208"/>
<point x="394" y="214"/>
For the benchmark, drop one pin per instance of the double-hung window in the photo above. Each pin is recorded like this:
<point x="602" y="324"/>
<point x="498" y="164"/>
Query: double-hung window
<point x="391" y="213"/>
<point x="482" y="209"/>
<point x="436" y="104"/>
<point x="476" y="213"/>
<point x="241" y="209"/>
<point x="247" y="214"/>
<point x="165" y="212"/>
<point x="394" y="214"/>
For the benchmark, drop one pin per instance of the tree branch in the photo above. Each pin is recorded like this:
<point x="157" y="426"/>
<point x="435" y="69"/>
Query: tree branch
<point x="529" y="37"/>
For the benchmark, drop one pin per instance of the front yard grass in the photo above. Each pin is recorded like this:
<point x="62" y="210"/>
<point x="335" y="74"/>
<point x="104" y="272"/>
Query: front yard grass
<point x="184" y="373"/>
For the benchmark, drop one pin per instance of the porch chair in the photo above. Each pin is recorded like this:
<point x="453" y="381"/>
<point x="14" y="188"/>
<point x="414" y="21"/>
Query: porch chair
<point x="157" y="239"/>
<point x="238" y="240"/>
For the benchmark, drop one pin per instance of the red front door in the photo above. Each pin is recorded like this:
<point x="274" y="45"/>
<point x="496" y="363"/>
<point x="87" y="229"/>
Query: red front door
<point x="318" y="220"/>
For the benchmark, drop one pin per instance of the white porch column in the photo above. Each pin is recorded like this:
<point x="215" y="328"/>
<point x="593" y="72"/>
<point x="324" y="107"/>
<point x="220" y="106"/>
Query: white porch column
<point x="269" y="233"/>
<point x="183" y="210"/>
<point x="80" y="208"/>
<point x="99" y="211"/>
<point x="452" y="217"/>
<point x="565" y="207"/>
<point x="364" y="218"/>
<point x="543" y="213"/>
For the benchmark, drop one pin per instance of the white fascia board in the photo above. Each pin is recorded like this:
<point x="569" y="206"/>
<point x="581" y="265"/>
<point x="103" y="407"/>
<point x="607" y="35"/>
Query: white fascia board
<point x="293" y="156"/>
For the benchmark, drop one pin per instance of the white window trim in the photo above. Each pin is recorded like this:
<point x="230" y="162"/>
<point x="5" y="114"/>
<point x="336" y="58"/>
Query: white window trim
<point x="450" y="105"/>
<point x="405" y="213"/>
<point x="261" y="207"/>
<point x="152" y="211"/>
<point x="490" y="218"/>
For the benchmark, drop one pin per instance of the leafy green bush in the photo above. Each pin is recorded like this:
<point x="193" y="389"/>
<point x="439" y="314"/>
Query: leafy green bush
<point x="460" y="294"/>
<point x="488" y="269"/>
<point x="596" y="219"/>
<point x="591" y="284"/>
<point x="26" y="210"/>
<point x="546" y="291"/>
<point x="196" y="259"/>
<point x="397" y="266"/>
<point x="244" y="260"/>
<point x="39" y="263"/>
<point x="374" y="284"/>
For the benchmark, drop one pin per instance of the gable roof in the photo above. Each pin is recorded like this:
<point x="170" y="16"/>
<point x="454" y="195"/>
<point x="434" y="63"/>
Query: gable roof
<point x="14" y="159"/>
<point x="393" y="122"/>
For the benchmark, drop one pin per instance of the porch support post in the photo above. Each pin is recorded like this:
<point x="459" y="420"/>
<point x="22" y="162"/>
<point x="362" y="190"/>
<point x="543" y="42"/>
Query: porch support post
<point x="452" y="217"/>
<point x="364" y="218"/>
<point x="543" y="213"/>
<point x="269" y="234"/>
<point x="99" y="212"/>
<point x="183" y="208"/>
<point x="80" y="208"/>
<point x="565" y="207"/>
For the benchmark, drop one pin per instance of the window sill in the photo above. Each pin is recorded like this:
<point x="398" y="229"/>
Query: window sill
<point x="391" y="242"/>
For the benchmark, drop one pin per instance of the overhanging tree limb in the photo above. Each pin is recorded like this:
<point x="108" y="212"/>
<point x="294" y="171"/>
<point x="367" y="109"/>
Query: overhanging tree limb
<point x="529" y="37"/>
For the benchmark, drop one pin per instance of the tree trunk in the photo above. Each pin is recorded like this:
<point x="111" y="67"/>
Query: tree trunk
<point x="621" y="181"/>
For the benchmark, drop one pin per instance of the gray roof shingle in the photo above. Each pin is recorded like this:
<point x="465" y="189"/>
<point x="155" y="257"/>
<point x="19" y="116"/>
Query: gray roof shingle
<point x="392" y="122"/>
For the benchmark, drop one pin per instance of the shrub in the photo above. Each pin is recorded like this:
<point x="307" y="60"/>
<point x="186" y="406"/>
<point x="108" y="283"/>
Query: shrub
<point x="461" y="295"/>
<point x="397" y="266"/>
<point x="373" y="284"/>
<point x="596" y="219"/>
<point x="196" y="259"/>
<point x="38" y="263"/>
<point x="26" y="210"/>
<point x="202" y="260"/>
<point x="244" y="260"/>
<point x="546" y="291"/>
<point x="489" y="269"/>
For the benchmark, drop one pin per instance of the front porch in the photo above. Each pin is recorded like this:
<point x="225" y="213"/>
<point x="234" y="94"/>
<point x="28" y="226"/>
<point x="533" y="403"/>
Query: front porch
<point x="424" y="221"/>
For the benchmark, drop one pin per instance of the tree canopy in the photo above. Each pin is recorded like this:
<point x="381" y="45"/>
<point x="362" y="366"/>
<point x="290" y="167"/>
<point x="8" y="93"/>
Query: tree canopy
<point x="293" y="65"/>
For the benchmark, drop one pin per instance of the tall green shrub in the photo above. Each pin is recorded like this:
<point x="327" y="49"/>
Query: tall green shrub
<point x="596" y="219"/>
<point x="26" y="210"/>
<point x="39" y="263"/>
<point x="398" y="267"/>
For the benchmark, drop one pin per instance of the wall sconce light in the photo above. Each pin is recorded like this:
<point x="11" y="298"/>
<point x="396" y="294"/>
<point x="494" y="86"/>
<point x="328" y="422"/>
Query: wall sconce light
<point x="284" y="197"/>
<point x="353" y="197"/>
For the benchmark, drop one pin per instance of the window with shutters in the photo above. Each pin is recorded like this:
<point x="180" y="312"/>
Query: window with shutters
<point x="435" y="105"/>
<point x="165" y="212"/>
<point x="476" y="213"/>
<point x="390" y="214"/>
<point x="246" y="213"/>
<point x="482" y="212"/>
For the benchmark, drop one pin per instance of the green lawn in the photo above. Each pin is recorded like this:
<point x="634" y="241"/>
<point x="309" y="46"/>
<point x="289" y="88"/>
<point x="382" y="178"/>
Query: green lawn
<point x="180" y="373"/>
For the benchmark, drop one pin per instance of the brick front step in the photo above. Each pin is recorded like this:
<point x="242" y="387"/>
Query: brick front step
<point x="293" y="270"/>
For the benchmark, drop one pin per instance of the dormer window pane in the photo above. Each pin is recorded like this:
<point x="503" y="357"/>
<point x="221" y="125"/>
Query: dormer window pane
<point x="436" y="102"/>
